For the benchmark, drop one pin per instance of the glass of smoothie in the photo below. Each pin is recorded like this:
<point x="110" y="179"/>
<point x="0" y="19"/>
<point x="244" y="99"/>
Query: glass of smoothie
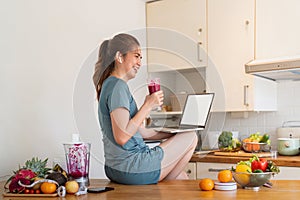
<point x="153" y="85"/>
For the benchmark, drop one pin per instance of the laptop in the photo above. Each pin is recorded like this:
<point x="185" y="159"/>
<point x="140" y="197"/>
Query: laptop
<point x="194" y="115"/>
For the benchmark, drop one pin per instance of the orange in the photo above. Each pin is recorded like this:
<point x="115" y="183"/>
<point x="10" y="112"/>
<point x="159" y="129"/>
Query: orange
<point x="206" y="184"/>
<point x="48" y="188"/>
<point x="225" y="176"/>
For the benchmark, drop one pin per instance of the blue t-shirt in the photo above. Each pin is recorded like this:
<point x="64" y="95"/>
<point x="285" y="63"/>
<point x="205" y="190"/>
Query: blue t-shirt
<point x="134" y="162"/>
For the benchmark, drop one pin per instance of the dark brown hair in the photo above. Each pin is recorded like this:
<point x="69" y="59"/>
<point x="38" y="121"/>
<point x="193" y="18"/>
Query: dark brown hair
<point x="106" y="58"/>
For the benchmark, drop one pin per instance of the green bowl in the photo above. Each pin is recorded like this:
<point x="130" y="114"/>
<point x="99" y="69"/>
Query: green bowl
<point x="252" y="180"/>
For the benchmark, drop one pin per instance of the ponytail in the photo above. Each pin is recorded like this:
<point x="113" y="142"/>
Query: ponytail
<point x="103" y="67"/>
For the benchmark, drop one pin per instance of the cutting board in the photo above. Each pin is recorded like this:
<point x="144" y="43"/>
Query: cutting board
<point x="241" y="154"/>
<point x="29" y="195"/>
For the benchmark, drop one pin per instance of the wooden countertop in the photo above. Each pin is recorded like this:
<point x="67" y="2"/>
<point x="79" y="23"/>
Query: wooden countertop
<point x="287" y="161"/>
<point x="180" y="189"/>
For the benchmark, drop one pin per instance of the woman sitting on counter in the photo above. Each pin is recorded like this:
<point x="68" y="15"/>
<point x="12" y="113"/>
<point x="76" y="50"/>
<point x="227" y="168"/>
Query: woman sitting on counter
<point x="128" y="159"/>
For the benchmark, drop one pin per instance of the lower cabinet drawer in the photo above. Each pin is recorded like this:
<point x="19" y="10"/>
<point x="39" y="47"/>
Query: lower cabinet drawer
<point x="210" y="170"/>
<point x="287" y="173"/>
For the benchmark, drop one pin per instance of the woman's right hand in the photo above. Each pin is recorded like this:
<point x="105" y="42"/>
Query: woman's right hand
<point x="155" y="99"/>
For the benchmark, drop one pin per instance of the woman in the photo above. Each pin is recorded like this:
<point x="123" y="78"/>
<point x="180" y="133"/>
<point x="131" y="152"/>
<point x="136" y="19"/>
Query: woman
<point x="128" y="160"/>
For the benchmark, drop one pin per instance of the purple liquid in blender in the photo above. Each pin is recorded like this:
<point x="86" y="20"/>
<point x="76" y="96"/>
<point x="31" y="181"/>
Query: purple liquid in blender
<point x="78" y="160"/>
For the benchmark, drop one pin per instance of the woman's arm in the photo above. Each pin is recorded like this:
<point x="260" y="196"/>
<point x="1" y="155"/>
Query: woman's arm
<point x="123" y="127"/>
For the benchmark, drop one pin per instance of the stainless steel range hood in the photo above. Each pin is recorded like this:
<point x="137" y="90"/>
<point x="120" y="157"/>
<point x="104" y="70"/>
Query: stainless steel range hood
<point x="276" y="69"/>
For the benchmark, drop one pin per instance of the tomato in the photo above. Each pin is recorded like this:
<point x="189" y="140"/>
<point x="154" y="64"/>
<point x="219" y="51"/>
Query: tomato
<point x="32" y="191"/>
<point x="26" y="191"/>
<point x="38" y="191"/>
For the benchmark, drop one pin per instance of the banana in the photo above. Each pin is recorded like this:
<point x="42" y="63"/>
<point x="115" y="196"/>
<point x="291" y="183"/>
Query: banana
<point x="58" y="168"/>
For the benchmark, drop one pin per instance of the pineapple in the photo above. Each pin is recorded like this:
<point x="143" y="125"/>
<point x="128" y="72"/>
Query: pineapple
<point x="37" y="166"/>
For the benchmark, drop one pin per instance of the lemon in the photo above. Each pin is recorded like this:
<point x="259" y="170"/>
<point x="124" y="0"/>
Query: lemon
<point x="243" y="178"/>
<point x="243" y="168"/>
<point x="72" y="187"/>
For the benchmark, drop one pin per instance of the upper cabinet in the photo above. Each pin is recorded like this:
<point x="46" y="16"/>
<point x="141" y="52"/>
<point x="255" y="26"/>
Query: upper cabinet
<point x="231" y="44"/>
<point x="176" y="35"/>
<point x="225" y="35"/>
<point x="278" y="28"/>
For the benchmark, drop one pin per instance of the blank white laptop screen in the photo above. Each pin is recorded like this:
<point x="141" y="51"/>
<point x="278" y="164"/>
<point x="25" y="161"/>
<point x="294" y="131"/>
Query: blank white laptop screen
<point x="196" y="110"/>
<point x="195" y="114"/>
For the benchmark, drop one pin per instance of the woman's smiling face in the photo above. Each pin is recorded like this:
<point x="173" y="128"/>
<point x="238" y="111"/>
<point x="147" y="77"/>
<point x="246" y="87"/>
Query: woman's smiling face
<point x="132" y="63"/>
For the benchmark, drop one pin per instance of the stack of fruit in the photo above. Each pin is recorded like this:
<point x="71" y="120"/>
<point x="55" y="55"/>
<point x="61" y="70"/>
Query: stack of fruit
<point x="36" y="178"/>
<point x="250" y="172"/>
<point x="224" y="182"/>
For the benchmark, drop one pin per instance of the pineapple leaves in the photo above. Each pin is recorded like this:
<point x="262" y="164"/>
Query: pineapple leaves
<point x="37" y="166"/>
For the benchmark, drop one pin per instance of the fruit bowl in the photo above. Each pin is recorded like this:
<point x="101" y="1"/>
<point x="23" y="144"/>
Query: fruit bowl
<point x="252" y="180"/>
<point x="255" y="147"/>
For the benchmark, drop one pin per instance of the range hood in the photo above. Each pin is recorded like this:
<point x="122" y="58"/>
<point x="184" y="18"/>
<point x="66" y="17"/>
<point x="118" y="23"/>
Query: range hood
<point x="276" y="69"/>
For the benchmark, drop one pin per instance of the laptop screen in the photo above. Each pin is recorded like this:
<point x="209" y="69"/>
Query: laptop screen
<point x="196" y="109"/>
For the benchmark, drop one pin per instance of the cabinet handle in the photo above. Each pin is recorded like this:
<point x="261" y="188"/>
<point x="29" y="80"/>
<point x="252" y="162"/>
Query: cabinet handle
<point x="246" y="90"/>
<point x="188" y="171"/>
<point x="215" y="170"/>
<point x="198" y="51"/>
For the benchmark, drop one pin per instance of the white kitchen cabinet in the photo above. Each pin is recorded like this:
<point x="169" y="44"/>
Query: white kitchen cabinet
<point x="210" y="170"/>
<point x="176" y="35"/>
<point x="277" y="28"/>
<point x="231" y="44"/>
<point x="288" y="173"/>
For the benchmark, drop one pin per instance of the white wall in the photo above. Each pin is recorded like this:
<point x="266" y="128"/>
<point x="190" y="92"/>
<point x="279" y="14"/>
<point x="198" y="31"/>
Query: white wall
<point x="48" y="49"/>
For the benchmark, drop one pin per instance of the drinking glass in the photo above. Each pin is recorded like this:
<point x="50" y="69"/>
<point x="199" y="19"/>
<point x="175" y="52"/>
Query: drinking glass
<point x="153" y="85"/>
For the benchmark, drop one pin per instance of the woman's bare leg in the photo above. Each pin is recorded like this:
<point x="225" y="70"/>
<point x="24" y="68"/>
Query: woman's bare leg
<point x="178" y="150"/>
<point x="181" y="176"/>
